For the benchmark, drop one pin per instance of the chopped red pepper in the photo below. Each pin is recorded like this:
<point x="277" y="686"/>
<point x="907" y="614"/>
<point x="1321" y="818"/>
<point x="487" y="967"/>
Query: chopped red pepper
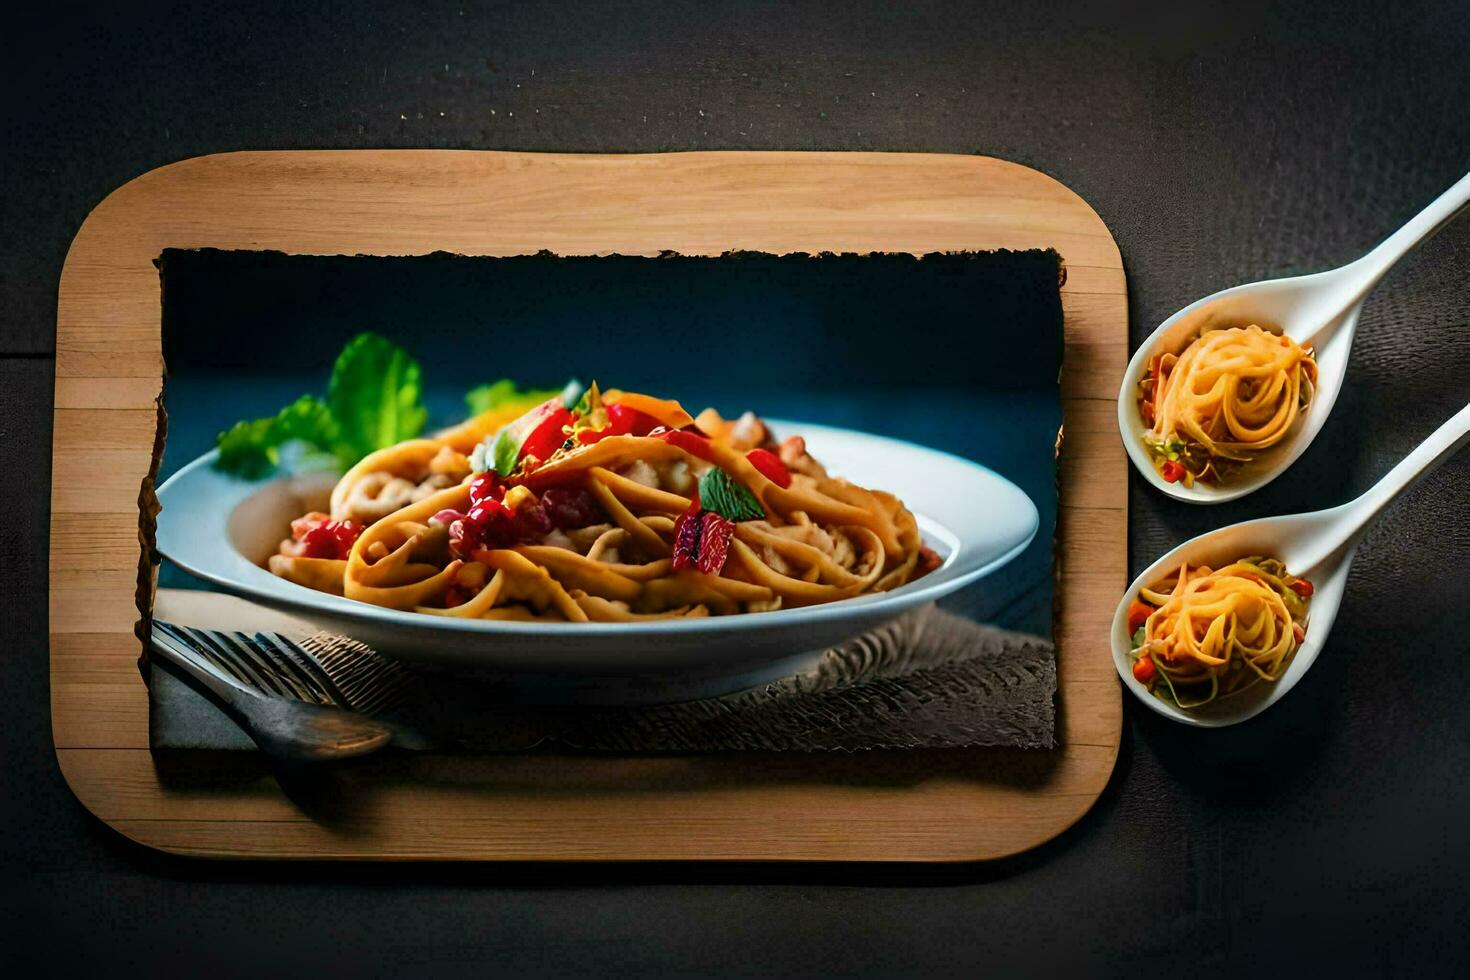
<point x="701" y="540"/>
<point x="319" y="542"/>
<point x="321" y="537"/>
<point x="306" y="522"/>
<point x="714" y="542"/>
<point x="1172" y="472"/>
<point x="494" y="523"/>
<point x="486" y="486"/>
<point x="691" y="442"/>
<point x="687" y="529"/>
<point x="464" y="537"/>
<point x="770" y="466"/>
<point x="630" y="421"/>
<point x="1301" y="587"/>
<point x="1138" y="612"/>
<point x="547" y="437"/>
<point x="1144" y="670"/>
<point x="346" y="532"/>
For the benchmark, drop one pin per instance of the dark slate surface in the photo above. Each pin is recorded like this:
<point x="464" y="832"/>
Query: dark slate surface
<point x="1219" y="146"/>
<point x="930" y="679"/>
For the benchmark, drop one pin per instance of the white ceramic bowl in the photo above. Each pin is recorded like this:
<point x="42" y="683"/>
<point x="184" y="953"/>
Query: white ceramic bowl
<point x="222" y="529"/>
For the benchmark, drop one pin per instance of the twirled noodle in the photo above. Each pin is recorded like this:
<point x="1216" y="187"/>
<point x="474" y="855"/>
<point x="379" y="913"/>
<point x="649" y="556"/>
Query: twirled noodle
<point x="818" y="538"/>
<point x="1231" y="395"/>
<point x="1215" y="633"/>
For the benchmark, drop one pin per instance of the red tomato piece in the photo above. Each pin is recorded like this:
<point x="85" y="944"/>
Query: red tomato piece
<point x="1144" y="670"/>
<point x="769" y="465"/>
<point x="1172" y="472"/>
<point x="1138" y="612"/>
<point x="1301" y="587"/>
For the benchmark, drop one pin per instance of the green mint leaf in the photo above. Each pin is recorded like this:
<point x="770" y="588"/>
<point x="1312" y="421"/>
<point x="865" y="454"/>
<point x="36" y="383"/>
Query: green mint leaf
<point x="295" y="438"/>
<point x="571" y="394"/>
<point x="719" y="492"/>
<point x="375" y="397"/>
<point x="1138" y="638"/>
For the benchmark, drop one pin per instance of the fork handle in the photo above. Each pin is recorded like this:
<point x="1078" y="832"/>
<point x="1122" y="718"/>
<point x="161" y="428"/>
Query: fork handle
<point x="295" y="731"/>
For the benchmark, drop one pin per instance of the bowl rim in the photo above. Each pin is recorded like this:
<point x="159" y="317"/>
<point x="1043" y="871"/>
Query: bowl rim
<point x="935" y="585"/>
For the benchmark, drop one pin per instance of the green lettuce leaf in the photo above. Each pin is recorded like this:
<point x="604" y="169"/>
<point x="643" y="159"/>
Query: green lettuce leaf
<point x="375" y="397"/>
<point x="253" y="448"/>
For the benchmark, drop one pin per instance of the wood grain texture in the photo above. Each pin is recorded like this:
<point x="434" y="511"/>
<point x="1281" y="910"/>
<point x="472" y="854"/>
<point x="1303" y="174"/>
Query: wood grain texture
<point x="952" y="806"/>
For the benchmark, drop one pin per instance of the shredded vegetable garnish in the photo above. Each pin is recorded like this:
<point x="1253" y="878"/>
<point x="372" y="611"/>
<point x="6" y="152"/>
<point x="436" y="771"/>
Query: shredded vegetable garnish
<point x="1231" y="395"/>
<point x="1205" y="634"/>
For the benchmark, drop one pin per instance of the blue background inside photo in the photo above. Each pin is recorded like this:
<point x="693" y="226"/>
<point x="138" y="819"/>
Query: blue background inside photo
<point x="956" y="352"/>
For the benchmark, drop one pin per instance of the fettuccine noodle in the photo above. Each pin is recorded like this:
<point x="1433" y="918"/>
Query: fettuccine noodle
<point x="613" y="511"/>
<point x="1231" y="395"/>
<point x="1211" y="633"/>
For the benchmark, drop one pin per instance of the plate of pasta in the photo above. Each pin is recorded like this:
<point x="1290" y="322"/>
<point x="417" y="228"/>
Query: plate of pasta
<point x="603" y="532"/>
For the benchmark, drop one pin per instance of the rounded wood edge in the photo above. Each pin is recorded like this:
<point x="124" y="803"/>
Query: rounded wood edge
<point x="115" y="204"/>
<point x="137" y="831"/>
<point x="159" y="178"/>
<point x="1116" y="701"/>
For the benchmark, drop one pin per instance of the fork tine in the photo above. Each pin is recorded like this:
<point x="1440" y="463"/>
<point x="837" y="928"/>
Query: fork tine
<point x="170" y="639"/>
<point x="202" y="653"/>
<point x="217" y="643"/>
<point x="278" y="667"/>
<point x="370" y="682"/>
<point x="281" y="653"/>
<point x="303" y="666"/>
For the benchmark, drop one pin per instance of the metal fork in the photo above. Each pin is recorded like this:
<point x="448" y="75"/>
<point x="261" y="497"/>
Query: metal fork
<point x="276" y="692"/>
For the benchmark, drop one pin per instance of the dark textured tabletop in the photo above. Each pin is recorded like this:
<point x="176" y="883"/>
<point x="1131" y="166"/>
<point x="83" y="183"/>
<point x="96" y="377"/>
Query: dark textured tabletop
<point x="1218" y="145"/>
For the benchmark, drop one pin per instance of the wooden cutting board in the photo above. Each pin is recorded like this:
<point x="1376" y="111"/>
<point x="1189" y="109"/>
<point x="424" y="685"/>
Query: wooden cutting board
<point x="898" y="806"/>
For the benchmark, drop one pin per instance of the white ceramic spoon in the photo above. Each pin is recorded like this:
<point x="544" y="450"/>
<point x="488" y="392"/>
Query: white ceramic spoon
<point x="1318" y="547"/>
<point x="1321" y="309"/>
